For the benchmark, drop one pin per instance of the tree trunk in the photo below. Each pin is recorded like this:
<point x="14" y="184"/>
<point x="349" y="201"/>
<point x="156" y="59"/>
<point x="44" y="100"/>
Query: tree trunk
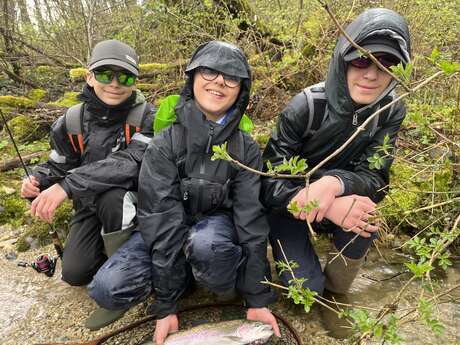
<point x="16" y="162"/>
<point x="25" y="18"/>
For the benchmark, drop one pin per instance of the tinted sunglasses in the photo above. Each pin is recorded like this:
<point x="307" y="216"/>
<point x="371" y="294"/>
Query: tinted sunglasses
<point x="210" y="74"/>
<point x="386" y="60"/>
<point x="123" y="78"/>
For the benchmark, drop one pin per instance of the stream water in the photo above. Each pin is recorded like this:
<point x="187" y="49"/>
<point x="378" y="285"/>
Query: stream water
<point x="37" y="309"/>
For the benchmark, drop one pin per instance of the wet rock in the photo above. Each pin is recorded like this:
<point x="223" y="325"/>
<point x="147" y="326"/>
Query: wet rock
<point x="11" y="256"/>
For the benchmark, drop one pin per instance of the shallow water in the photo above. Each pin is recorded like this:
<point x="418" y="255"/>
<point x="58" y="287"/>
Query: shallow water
<point x="37" y="309"/>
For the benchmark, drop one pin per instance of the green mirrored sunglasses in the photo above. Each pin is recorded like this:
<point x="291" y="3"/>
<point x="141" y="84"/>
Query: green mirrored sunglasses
<point x="123" y="78"/>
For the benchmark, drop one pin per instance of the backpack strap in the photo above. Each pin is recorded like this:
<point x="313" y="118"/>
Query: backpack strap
<point x="74" y="125"/>
<point x="316" y="102"/>
<point x="134" y="121"/>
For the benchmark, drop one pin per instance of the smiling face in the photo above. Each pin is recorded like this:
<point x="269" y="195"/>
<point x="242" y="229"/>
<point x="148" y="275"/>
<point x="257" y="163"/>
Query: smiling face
<point x="213" y="98"/>
<point x="110" y="94"/>
<point x="366" y="84"/>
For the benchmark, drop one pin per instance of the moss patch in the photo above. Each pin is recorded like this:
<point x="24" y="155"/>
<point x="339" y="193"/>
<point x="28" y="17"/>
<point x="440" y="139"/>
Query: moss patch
<point x="69" y="99"/>
<point x="17" y="102"/>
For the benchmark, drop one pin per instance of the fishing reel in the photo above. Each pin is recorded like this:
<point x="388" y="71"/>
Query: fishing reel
<point x="43" y="263"/>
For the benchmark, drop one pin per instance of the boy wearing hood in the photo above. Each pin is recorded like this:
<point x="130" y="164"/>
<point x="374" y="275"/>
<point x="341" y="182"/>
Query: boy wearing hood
<point x="199" y="216"/>
<point x="313" y="125"/>
<point x="96" y="153"/>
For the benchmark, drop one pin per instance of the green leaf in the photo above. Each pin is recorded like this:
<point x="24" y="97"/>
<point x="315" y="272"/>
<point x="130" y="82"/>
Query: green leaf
<point x="449" y="68"/>
<point x="435" y="55"/>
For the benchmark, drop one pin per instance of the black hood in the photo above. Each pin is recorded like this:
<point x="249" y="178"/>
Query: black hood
<point x="104" y="113"/>
<point x="373" y="22"/>
<point x="226" y="58"/>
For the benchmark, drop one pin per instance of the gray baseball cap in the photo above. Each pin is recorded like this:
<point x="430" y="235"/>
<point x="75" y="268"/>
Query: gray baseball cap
<point x="115" y="53"/>
<point x="377" y="44"/>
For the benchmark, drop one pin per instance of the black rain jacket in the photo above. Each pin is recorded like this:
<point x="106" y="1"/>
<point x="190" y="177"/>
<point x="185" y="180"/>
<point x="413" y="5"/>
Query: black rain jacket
<point x="163" y="219"/>
<point x="351" y="165"/>
<point x="107" y="161"/>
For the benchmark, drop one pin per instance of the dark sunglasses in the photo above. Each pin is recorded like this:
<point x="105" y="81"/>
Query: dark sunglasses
<point x="386" y="60"/>
<point x="123" y="78"/>
<point x="210" y="74"/>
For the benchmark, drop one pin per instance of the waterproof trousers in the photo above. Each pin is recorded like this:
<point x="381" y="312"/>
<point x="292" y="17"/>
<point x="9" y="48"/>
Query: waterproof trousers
<point x="211" y="249"/>
<point x="84" y="250"/>
<point x="294" y="237"/>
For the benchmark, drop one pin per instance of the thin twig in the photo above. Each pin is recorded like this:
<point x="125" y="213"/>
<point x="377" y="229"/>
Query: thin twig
<point x="361" y="49"/>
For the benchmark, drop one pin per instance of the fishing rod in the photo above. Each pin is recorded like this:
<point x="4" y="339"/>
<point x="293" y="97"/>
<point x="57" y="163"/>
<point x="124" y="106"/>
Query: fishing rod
<point x="52" y="232"/>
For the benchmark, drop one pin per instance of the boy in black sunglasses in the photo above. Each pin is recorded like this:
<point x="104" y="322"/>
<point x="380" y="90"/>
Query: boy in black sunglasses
<point x="313" y="125"/>
<point x="96" y="152"/>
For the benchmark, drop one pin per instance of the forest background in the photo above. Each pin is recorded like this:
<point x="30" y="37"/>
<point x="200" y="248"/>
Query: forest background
<point x="45" y="44"/>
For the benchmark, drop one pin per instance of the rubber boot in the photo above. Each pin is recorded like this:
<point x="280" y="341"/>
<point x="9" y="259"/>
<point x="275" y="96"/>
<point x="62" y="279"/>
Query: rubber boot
<point x="114" y="240"/>
<point x="102" y="317"/>
<point x="340" y="274"/>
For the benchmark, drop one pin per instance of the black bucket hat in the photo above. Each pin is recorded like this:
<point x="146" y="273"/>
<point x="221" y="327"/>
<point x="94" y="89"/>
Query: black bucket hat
<point x="114" y="53"/>
<point x="220" y="56"/>
<point x="377" y="44"/>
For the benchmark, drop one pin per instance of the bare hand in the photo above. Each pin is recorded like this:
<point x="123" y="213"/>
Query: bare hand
<point x="324" y="191"/>
<point x="354" y="213"/>
<point x="263" y="315"/>
<point x="46" y="203"/>
<point x="30" y="187"/>
<point x="164" y="326"/>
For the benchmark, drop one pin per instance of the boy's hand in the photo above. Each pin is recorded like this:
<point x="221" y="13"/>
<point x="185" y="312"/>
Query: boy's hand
<point x="30" y="187"/>
<point x="324" y="191"/>
<point x="353" y="213"/>
<point x="263" y="315"/>
<point x="164" y="326"/>
<point x="46" y="203"/>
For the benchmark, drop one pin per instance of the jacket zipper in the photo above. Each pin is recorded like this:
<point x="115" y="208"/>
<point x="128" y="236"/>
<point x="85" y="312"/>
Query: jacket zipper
<point x="355" y="119"/>
<point x="211" y="133"/>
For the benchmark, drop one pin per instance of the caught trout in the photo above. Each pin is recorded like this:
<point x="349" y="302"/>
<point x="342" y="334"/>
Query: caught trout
<point x="236" y="332"/>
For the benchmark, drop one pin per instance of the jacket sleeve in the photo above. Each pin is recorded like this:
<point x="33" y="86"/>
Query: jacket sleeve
<point x="119" y="169"/>
<point x="62" y="157"/>
<point x="286" y="141"/>
<point x="373" y="182"/>
<point x="252" y="229"/>
<point x="162" y="222"/>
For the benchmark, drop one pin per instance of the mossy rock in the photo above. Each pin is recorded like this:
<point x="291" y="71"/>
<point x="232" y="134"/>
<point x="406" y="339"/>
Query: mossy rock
<point x="37" y="94"/>
<point x="148" y="68"/>
<point x="13" y="209"/>
<point x="39" y="230"/>
<point x="17" y="102"/>
<point x="78" y="74"/>
<point x="146" y="86"/>
<point x="69" y="99"/>
<point x="24" y="130"/>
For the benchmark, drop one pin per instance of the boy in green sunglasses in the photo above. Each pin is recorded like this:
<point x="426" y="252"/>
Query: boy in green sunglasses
<point x="96" y="153"/>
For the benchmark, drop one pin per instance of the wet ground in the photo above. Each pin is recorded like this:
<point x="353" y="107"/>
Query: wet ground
<point x="37" y="309"/>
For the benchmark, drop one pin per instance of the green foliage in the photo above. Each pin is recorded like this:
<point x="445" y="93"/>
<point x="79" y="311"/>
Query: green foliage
<point x="78" y="74"/>
<point x="220" y="152"/>
<point x="295" y="166"/>
<point x="69" y="99"/>
<point x="37" y="94"/>
<point x="13" y="209"/>
<point x="425" y="310"/>
<point x="24" y="130"/>
<point x="403" y="72"/>
<point x="39" y="230"/>
<point x="17" y="102"/>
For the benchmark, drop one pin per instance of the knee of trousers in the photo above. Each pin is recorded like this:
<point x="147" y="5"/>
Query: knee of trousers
<point x="114" y="201"/>
<point x="213" y="264"/>
<point x="77" y="273"/>
<point x="112" y="290"/>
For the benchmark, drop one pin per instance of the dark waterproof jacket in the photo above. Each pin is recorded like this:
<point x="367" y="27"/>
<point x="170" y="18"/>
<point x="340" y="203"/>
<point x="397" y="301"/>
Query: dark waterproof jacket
<point x="107" y="161"/>
<point x="163" y="219"/>
<point x="340" y="121"/>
